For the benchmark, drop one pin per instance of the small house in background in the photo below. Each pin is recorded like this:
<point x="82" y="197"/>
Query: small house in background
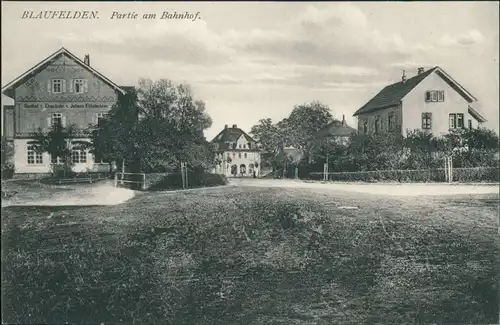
<point x="431" y="101"/>
<point x="337" y="131"/>
<point x="236" y="153"/>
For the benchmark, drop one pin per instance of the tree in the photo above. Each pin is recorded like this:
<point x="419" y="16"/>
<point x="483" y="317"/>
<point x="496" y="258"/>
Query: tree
<point x="115" y="138"/>
<point x="171" y="126"/>
<point x="271" y="139"/>
<point x="57" y="143"/>
<point x="304" y="121"/>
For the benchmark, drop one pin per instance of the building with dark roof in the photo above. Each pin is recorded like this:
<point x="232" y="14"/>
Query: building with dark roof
<point x="336" y="130"/>
<point x="236" y="153"/>
<point x="61" y="89"/>
<point x="431" y="101"/>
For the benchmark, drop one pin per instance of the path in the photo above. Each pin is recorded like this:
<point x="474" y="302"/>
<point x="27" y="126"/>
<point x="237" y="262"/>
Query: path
<point x="32" y="193"/>
<point x="398" y="189"/>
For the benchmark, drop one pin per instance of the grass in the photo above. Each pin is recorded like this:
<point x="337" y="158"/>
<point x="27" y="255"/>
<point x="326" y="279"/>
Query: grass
<point x="256" y="256"/>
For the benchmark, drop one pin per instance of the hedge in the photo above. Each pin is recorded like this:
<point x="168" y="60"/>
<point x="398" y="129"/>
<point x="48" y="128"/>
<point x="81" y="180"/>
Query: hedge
<point x="477" y="174"/>
<point x="173" y="181"/>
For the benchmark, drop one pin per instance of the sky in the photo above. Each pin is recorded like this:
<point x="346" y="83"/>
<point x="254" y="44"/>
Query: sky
<point x="254" y="60"/>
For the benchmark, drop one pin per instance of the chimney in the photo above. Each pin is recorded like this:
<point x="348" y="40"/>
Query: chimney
<point x="225" y="126"/>
<point x="86" y="60"/>
<point x="234" y="126"/>
<point x="343" y="119"/>
<point x="420" y="70"/>
<point x="403" y="78"/>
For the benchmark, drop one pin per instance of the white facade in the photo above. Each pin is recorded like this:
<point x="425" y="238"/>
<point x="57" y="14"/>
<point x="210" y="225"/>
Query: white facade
<point x="414" y="104"/>
<point x="29" y="162"/>
<point x="241" y="161"/>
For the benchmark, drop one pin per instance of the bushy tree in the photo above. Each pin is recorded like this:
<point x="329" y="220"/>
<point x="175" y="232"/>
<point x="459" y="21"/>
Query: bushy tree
<point x="271" y="139"/>
<point x="115" y="138"/>
<point x="155" y="127"/>
<point x="171" y="126"/>
<point x="57" y="143"/>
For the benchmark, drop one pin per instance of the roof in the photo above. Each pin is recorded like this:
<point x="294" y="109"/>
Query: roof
<point x="393" y="94"/>
<point x="230" y="135"/>
<point x="475" y="114"/>
<point x="335" y="129"/>
<point x="42" y="64"/>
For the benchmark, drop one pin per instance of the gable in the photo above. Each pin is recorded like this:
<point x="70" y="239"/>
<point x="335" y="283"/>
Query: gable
<point x="63" y="63"/>
<point x="393" y="94"/>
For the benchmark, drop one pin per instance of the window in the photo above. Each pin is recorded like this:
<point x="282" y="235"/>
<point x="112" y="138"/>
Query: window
<point x="239" y="155"/>
<point x="57" y="86"/>
<point x="100" y="118"/>
<point x="57" y="160"/>
<point x="452" y="121"/>
<point x="234" y="154"/>
<point x="245" y="154"/>
<point x="434" y="96"/>
<point x="426" y="121"/>
<point x="456" y="120"/>
<point x="377" y="126"/>
<point x="34" y="157"/>
<point x="78" y="156"/>
<point x="365" y="127"/>
<point x="79" y="86"/>
<point x="239" y="146"/>
<point x="470" y="124"/>
<point x="390" y="122"/>
<point x="57" y="120"/>
<point x="244" y="146"/>
<point x="460" y="120"/>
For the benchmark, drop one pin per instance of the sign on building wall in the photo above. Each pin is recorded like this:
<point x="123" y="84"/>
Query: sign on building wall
<point x="65" y="105"/>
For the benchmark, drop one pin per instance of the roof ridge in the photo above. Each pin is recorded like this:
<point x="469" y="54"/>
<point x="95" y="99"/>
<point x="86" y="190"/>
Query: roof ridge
<point x="48" y="59"/>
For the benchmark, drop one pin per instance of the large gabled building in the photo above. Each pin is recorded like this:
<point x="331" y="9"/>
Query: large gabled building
<point x="236" y="153"/>
<point x="431" y="101"/>
<point x="61" y="89"/>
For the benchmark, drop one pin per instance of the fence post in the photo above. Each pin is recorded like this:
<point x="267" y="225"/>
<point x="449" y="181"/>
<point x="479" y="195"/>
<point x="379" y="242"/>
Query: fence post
<point x="123" y="170"/>
<point x="115" y="182"/>
<point x="186" y="177"/>
<point x="143" y="181"/>
<point x="182" y="175"/>
<point x="450" y="169"/>
<point x="296" y="172"/>
<point x="325" y="172"/>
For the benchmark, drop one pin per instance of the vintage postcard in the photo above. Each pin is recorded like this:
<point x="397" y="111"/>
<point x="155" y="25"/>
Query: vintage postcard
<point x="250" y="163"/>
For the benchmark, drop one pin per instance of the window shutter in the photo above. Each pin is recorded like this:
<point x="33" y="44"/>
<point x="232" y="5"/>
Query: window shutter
<point x="430" y="120"/>
<point x="49" y="86"/>
<point x="63" y="120"/>
<point x="70" y="85"/>
<point x="49" y="122"/>
<point x="85" y="86"/>
<point x="63" y="85"/>
<point x="428" y="96"/>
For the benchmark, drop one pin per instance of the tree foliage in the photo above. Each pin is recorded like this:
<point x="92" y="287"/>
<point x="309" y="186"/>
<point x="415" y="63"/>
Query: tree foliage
<point x="156" y="127"/>
<point x="57" y="143"/>
<point x="296" y="131"/>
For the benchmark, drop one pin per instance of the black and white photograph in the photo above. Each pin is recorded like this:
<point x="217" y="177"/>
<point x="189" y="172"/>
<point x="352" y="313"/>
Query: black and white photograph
<point x="257" y="163"/>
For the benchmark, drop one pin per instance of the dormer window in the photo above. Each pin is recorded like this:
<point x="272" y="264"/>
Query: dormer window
<point x="434" y="96"/>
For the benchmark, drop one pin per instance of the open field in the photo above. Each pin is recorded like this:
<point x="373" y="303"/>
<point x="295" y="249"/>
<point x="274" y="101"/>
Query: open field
<point x="254" y="255"/>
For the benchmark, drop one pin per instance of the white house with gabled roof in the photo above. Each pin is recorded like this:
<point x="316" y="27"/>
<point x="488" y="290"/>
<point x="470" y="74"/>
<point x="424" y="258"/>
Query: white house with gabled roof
<point x="431" y="101"/>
